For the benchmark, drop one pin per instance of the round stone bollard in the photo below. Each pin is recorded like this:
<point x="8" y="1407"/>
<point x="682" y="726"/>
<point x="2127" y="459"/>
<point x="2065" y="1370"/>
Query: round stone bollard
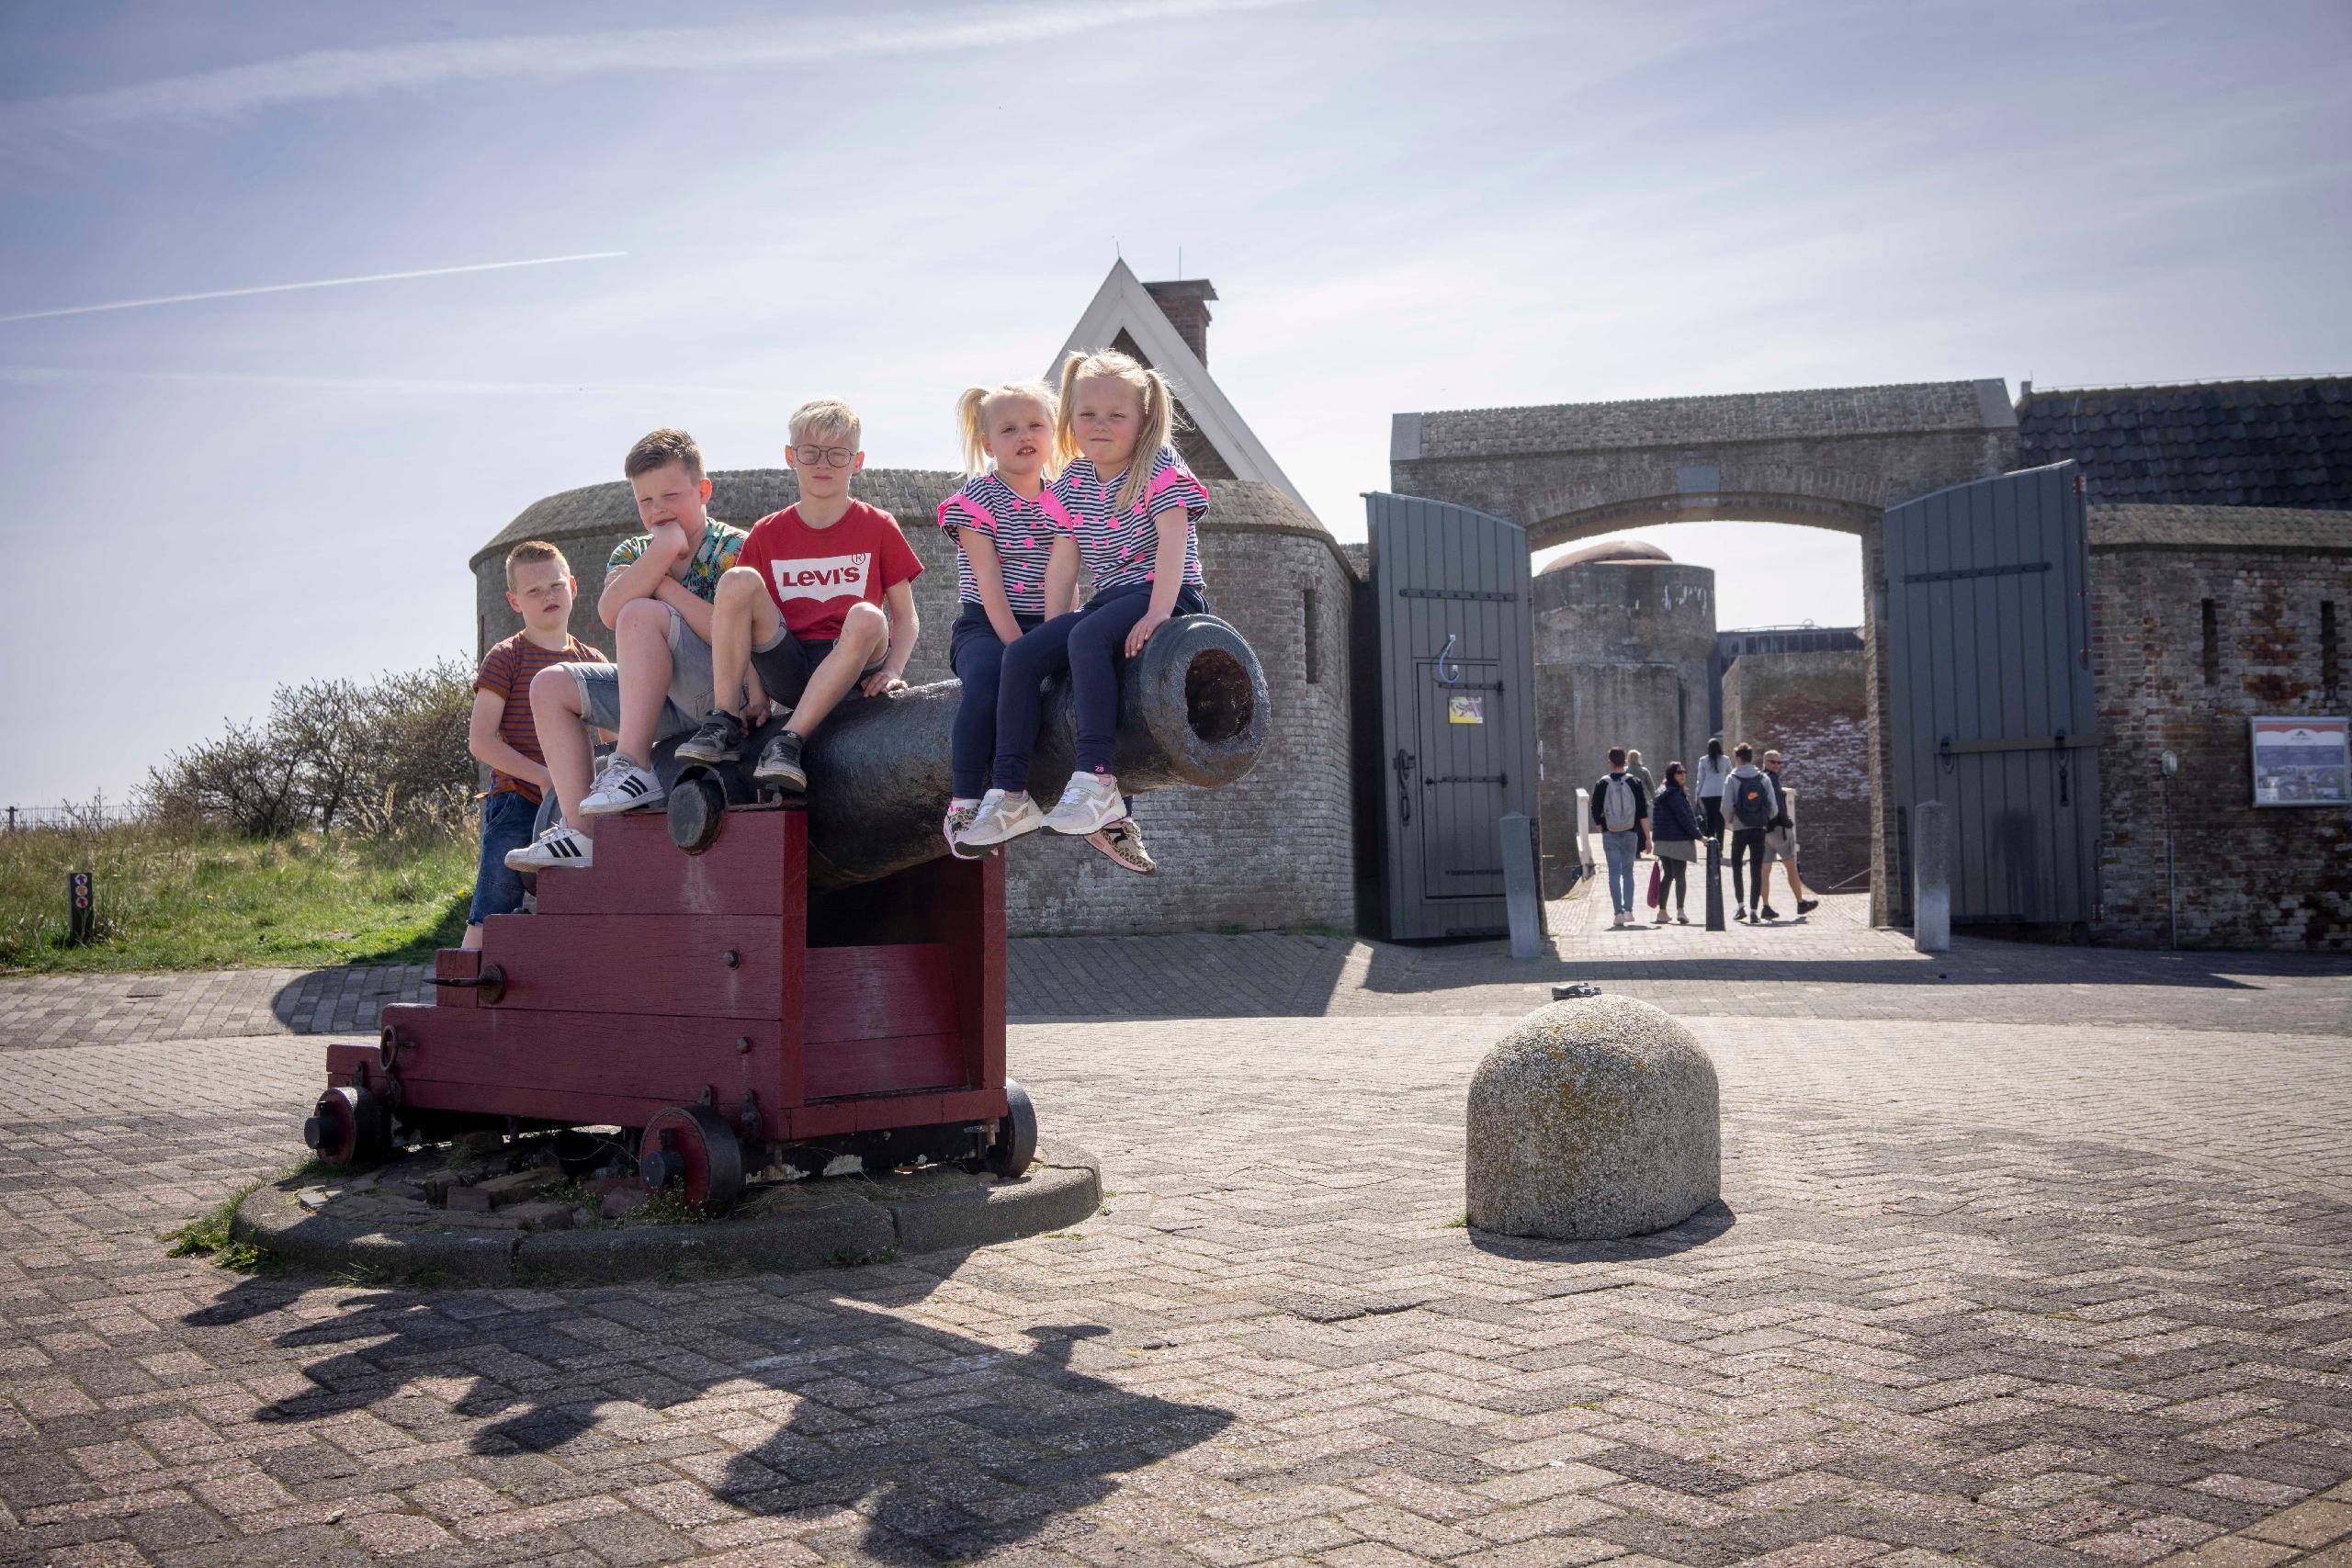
<point x="1591" y="1120"/>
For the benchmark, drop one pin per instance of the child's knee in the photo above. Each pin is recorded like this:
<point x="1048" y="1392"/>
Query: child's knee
<point x="739" y="587"/>
<point x="555" y="686"/>
<point x="865" y="624"/>
<point x="644" y="616"/>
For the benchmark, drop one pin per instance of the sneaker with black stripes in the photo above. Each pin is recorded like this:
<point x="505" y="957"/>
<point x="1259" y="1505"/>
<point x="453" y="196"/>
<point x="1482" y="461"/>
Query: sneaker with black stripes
<point x="559" y="845"/>
<point x="623" y="785"/>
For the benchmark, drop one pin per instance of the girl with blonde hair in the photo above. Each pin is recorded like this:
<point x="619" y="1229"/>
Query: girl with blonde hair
<point x="1015" y="563"/>
<point x="1134" y="510"/>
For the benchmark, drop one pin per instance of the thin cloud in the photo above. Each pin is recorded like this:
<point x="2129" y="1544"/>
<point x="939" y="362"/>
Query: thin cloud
<point x="315" y="283"/>
<point x="69" y="376"/>
<point x="29" y="126"/>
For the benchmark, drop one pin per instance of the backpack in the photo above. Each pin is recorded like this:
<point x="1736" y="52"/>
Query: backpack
<point x="1617" y="805"/>
<point x="1751" y="807"/>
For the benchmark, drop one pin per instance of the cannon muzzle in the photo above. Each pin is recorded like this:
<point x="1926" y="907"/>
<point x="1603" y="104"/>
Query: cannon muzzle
<point x="1192" y="710"/>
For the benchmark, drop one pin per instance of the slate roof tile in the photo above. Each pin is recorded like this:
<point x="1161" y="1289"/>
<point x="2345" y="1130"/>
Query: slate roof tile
<point x="2236" y="442"/>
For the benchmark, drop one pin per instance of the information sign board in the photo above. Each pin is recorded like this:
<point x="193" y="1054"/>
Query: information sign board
<point x="2302" y="761"/>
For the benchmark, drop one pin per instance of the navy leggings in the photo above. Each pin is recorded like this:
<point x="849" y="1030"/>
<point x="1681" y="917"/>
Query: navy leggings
<point x="1089" y="643"/>
<point x="976" y="656"/>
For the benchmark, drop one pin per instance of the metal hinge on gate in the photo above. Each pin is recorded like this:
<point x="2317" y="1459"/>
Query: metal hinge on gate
<point x="2018" y="569"/>
<point x="1454" y="593"/>
<point x="1470" y="778"/>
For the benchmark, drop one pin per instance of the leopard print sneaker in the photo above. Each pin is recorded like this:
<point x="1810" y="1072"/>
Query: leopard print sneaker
<point x="1123" y="841"/>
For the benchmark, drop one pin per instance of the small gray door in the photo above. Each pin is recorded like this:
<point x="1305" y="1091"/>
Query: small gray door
<point x="1450" y="595"/>
<point x="1988" y="616"/>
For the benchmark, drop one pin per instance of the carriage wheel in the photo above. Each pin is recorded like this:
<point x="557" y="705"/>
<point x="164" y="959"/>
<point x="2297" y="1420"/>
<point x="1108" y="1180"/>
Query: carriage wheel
<point x="346" y="1127"/>
<point x="692" y="1145"/>
<point x="1016" y="1134"/>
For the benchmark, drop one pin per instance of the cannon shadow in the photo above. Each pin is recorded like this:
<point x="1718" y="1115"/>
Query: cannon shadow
<point x="904" y="1442"/>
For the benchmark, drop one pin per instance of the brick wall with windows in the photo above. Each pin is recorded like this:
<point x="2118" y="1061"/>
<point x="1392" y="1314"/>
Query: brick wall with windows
<point x="2268" y="583"/>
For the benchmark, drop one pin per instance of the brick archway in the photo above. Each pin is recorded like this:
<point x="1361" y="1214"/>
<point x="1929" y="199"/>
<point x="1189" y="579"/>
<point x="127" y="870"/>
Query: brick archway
<point x="1834" y="459"/>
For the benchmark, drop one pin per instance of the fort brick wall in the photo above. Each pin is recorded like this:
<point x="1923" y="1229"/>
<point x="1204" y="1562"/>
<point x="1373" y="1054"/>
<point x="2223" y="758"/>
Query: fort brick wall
<point x="2247" y="876"/>
<point x="1814" y="709"/>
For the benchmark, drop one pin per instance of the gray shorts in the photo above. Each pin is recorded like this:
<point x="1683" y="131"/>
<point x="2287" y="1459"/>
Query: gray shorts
<point x="1780" y="843"/>
<point x="683" y="706"/>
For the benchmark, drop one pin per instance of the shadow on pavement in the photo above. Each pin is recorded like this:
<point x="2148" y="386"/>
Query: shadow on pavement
<point x="1715" y="1220"/>
<point x="948" y="1446"/>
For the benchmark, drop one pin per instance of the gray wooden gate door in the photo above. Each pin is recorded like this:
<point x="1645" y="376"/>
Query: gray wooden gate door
<point x="1988" y="616"/>
<point x="1450" y="592"/>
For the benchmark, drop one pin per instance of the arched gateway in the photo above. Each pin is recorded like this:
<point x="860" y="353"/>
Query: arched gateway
<point x="1832" y="458"/>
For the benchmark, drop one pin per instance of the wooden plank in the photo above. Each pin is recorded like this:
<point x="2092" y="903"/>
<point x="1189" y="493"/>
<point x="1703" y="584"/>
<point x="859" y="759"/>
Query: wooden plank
<point x="639" y="871"/>
<point x="891" y="1064"/>
<point x="456" y="963"/>
<point x="644" y="964"/>
<point x="881" y="1112"/>
<point x="588" y="1066"/>
<point x="874" y="993"/>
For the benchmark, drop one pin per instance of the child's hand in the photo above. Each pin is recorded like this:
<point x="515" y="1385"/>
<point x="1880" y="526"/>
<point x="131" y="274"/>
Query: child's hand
<point x="540" y="776"/>
<point x="754" y="713"/>
<point x="880" y="682"/>
<point x="1152" y="621"/>
<point x="669" y="538"/>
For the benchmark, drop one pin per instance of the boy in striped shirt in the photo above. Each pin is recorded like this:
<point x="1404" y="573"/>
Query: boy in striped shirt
<point x="539" y="588"/>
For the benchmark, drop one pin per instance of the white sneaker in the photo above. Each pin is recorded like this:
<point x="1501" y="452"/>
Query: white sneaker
<point x="621" y="786"/>
<point x="1089" y="803"/>
<point x="559" y="845"/>
<point x="1000" y="817"/>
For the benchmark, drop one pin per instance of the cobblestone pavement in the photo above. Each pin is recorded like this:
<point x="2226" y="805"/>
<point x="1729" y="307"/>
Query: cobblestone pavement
<point x="2059" y="1282"/>
<point x="1832" y="966"/>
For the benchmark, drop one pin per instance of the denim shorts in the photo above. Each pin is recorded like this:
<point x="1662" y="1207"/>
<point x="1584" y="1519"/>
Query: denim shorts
<point x="506" y="824"/>
<point x="683" y="707"/>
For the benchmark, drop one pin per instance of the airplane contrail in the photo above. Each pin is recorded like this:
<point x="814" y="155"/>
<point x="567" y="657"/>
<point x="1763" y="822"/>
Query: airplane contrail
<point x="315" y="283"/>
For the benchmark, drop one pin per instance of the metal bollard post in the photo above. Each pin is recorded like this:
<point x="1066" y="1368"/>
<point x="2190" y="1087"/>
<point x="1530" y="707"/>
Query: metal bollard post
<point x="1715" y="884"/>
<point x="1931" y="865"/>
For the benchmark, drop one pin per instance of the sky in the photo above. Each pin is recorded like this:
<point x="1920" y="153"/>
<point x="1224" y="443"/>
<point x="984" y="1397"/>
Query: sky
<point x="221" y="483"/>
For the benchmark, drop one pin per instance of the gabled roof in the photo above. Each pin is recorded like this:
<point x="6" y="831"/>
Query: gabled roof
<point x="1123" y="305"/>
<point x="2284" y="442"/>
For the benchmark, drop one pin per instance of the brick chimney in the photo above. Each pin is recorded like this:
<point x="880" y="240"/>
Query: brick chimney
<point x="1185" y="303"/>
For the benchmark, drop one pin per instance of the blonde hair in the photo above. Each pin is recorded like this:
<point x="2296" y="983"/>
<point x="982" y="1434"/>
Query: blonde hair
<point x="972" y="414"/>
<point x="826" y="416"/>
<point x="1157" y="429"/>
<point x="531" y="550"/>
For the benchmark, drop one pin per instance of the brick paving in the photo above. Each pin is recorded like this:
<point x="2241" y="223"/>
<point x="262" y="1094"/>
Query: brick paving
<point x="2040" y="1257"/>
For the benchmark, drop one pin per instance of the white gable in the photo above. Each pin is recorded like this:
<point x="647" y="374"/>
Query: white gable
<point x="1123" y="304"/>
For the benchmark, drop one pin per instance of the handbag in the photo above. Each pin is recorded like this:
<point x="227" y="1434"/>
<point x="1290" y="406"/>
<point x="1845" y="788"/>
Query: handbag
<point x="1657" y="880"/>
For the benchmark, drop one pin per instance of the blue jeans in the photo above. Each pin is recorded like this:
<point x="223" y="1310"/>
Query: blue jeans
<point x="976" y="655"/>
<point x="506" y="821"/>
<point x="1622" y="849"/>
<point x="1089" y="643"/>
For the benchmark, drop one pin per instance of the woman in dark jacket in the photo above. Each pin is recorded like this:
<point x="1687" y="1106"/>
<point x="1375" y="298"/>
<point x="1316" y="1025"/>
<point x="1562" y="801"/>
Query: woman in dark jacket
<point x="1674" y="833"/>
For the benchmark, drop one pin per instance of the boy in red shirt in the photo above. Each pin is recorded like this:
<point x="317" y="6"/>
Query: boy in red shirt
<point x="800" y="621"/>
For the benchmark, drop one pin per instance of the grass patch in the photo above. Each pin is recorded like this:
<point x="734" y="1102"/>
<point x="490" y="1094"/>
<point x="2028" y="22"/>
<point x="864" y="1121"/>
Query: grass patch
<point x="212" y="1234"/>
<point x="668" y="1206"/>
<point x="172" y="898"/>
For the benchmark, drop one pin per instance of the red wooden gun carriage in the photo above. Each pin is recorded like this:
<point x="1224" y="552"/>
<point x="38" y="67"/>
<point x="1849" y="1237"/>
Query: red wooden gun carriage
<point x="752" y="984"/>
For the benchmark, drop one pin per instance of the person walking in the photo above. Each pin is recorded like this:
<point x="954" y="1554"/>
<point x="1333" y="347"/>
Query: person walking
<point x="1674" y="833"/>
<point x="1751" y="803"/>
<point x="1781" y="846"/>
<point x="1714" y="769"/>
<point x="1621" y="815"/>
<point x="1640" y="774"/>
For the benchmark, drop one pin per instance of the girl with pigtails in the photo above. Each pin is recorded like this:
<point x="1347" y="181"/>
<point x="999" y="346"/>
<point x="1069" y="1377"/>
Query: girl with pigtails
<point x="1134" y="509"/>
<point x="1015" y="565"/>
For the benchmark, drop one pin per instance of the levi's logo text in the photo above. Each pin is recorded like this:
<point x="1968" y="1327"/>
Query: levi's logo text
<point x="822" y="576"/>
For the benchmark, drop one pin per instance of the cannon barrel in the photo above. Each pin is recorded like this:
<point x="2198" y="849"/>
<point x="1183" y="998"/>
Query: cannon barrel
<point x="1192" y="710"/>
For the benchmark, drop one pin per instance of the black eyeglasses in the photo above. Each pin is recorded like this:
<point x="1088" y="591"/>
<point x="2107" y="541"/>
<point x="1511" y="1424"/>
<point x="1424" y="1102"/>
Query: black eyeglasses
<point x="831" y="457"/>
